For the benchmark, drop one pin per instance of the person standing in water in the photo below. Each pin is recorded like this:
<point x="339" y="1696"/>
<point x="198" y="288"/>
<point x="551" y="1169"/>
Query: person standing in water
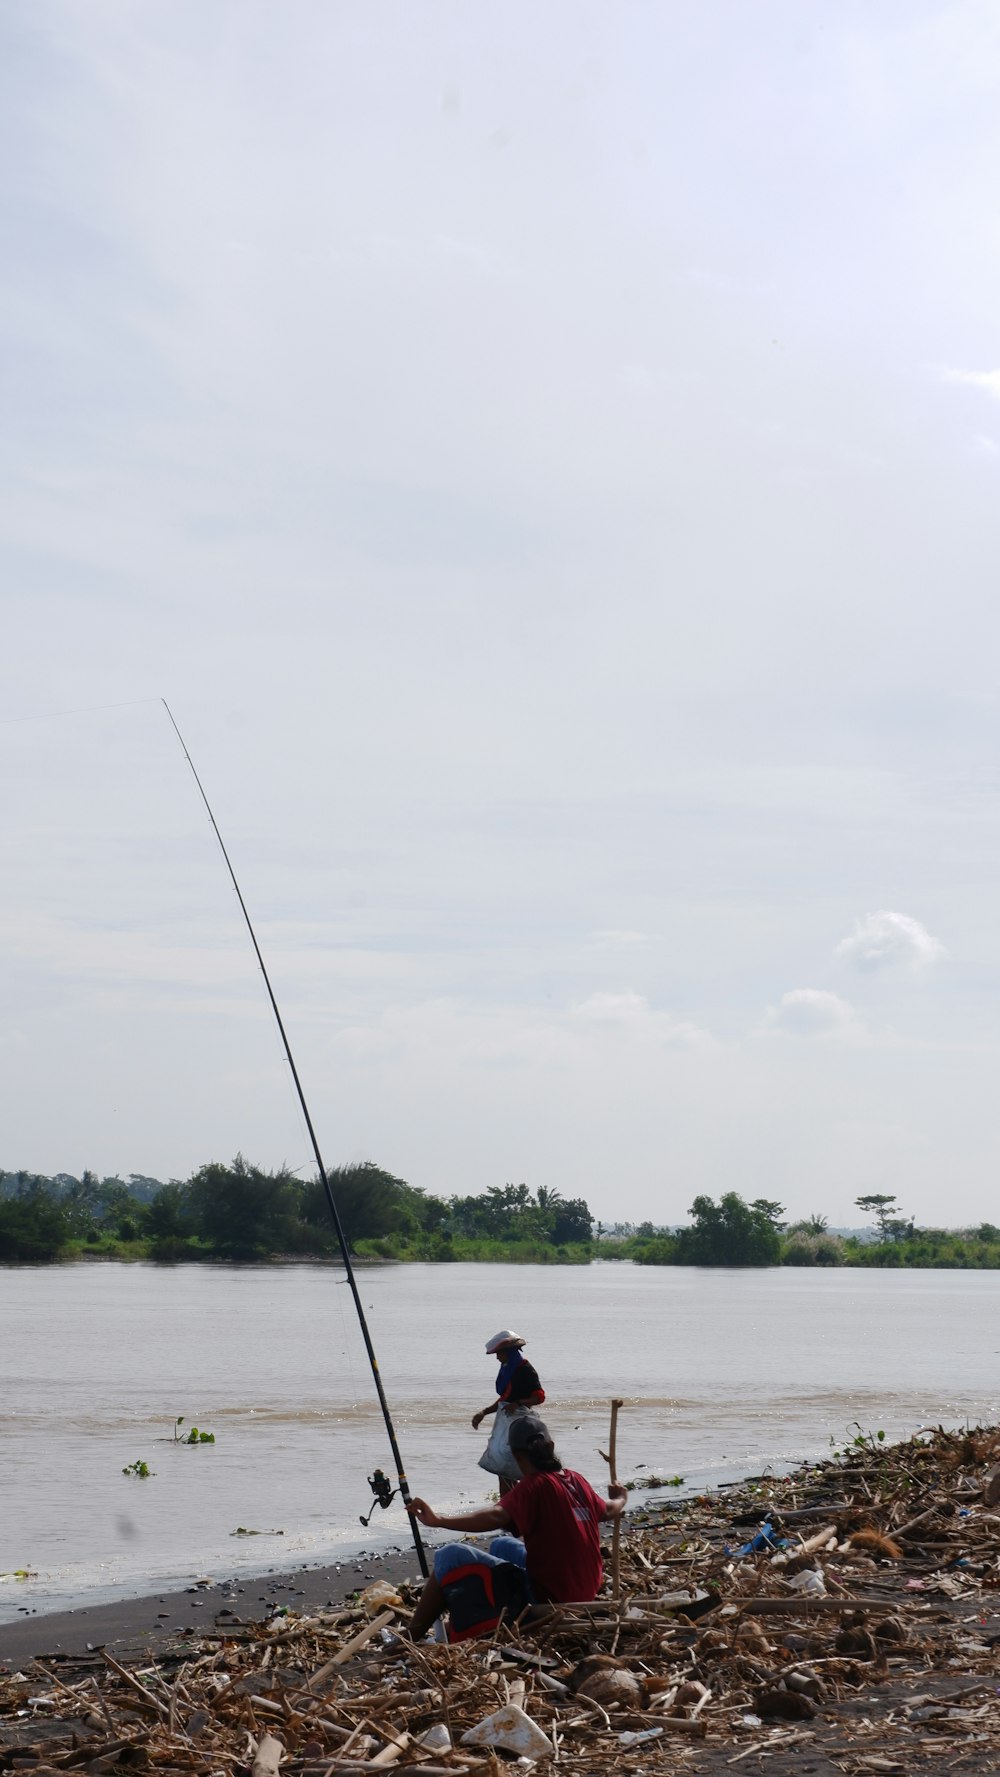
<point x="518" y="1390"/>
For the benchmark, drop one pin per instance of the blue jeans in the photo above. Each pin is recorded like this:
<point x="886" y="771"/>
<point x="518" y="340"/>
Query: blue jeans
<point x="502" y="1548"/>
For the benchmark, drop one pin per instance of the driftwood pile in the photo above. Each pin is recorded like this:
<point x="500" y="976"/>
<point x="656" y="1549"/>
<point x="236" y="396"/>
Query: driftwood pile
<point x="866" y="1644"/>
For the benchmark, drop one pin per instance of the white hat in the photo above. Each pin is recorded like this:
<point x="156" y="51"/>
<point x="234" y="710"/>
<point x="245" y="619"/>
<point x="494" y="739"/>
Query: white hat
<point x="504" y="1338"/>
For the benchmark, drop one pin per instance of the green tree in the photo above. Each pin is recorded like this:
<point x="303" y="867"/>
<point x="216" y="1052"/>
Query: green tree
<point x="371" y="1204"/>
<point x="730" y="1232"/>
<point x="34" y="1226"/>
<point x="504" y="1212"/>
<point x="572" y="1222"/>
<point x="877" y="1204"/>
<point x="143" y="1188"/>
<point x="242" y="1212"/>
<point x="116" y="1207"/>
<point x="168" y="1215"/>
<point x="81" y="1203"/>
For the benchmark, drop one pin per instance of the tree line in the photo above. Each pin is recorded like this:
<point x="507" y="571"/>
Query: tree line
<point x="733" y="1232"/>
<point x="244" y="1212"/>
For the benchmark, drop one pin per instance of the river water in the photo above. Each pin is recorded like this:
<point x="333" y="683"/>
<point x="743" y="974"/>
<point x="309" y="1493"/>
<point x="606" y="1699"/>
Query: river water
<point x="724" y="1373"/>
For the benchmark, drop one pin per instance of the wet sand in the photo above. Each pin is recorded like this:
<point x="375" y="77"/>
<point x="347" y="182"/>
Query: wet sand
<point x="132" y="1625"/>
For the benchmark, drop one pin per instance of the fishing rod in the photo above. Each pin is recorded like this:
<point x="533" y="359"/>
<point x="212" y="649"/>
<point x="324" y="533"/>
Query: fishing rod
<point x="328" y="1189"/>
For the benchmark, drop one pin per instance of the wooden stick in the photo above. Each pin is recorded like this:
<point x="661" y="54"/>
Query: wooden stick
<point x="130" y="1678"/>
<point x="812" y="1543"/>
<point x="351" y="1647"/>
<point x="268" y="1757"/>
<point x="814" y="1607"/>
<point x="914" y="1523"/>
<point x="395" y="1746"/>
<point x="808" y="1547"/>
<point x="616" y="1533"/>
<point x="671" y="1724"/>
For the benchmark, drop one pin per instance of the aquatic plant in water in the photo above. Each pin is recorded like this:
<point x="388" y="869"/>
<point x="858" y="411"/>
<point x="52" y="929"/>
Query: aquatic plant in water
<point x="194" y="1436"/>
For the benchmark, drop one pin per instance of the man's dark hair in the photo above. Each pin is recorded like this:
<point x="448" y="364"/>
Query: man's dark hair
<point x="529" y="1436"/>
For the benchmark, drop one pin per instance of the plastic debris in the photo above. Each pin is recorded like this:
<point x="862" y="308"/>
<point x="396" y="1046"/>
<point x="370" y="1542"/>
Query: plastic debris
<point x="379" y="1596"/>
<point x="435" y="1739"/>
<point x="810" y="1582"/>
<point x="511" y="1731"/>
<point x="764" y="1543"/>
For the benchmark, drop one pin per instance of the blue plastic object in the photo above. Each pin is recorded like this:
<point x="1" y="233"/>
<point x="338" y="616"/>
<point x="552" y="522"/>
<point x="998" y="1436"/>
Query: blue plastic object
<point x="763" y="1543"/>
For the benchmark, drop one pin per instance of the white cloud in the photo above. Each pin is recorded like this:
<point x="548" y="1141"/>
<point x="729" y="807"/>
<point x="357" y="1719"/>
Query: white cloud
<point x="987" y="380"/>
<point x="812" y="1012"/>
<point x="612" y="1008"/>
<point x="634" y="1015"/>
<point x="889" y="940"/>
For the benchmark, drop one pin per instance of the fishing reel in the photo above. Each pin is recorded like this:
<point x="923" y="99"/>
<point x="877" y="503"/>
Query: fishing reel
<point x="384" y="1492"/>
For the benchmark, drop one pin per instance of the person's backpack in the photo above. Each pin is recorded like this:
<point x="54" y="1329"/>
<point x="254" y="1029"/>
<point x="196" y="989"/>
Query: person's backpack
<point x="478" y="1596"/>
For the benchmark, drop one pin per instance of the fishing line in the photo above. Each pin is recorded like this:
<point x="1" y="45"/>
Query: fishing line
<point x="86" y="709"/>
<point x="331" y="1200"/>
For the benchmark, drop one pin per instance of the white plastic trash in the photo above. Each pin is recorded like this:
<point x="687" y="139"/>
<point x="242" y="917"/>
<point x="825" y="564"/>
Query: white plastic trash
<point x="635" y="1739"/>
<point x="436" y="1739"/>
<point x="810" y="1582"/>
<point x="512" y="1731"/>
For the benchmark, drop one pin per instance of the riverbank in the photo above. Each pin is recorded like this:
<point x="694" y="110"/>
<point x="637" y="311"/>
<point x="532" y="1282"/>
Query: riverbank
<point x="839" y="1618"/>
<point x="143" y="1627"/>
<point x="935" y="1250"/>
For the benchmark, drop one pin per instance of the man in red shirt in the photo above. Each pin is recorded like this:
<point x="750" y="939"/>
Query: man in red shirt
<point x="557" y="1515"/>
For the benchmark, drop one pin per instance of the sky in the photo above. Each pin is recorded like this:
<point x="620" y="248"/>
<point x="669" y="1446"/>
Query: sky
<point x="548" y="460"/>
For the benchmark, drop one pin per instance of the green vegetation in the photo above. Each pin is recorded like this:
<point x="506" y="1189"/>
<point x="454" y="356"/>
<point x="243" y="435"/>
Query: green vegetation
<point x="194" y="1436"/>
<point x="646" y="1483"/>
<point x="243" y="1213"/>
<point x="141" y="1470"/>
<point x="867" y="1441"/>
<point x="732" y="1232"/>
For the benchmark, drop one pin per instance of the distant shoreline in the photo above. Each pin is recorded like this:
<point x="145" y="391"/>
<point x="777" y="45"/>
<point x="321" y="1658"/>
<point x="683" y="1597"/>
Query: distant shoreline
<point x="135" y="1253"/>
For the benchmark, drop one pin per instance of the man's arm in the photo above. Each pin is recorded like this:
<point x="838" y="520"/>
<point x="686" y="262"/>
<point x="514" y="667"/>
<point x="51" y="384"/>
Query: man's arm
<point x="488" y="1518"/>
<point x="477" y="1418"/>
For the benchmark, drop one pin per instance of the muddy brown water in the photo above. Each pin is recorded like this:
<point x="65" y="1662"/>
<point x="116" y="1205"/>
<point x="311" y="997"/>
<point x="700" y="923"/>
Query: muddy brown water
<point x="724" y="1373"/>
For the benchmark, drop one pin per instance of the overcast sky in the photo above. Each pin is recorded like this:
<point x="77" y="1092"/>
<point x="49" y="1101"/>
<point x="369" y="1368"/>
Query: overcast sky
<point x="548" y="457"/>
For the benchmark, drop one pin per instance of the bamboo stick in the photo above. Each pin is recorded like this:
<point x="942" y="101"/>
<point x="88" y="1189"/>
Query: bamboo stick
<point x="352" y="1647"/>
<point x="812" y="1607"/>
<point x="268" y="1757"/>
<point x="616" y="1532"/>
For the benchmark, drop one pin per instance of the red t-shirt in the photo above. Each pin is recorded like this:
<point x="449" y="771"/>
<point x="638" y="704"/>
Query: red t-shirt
<point x="558" y="1515"/>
